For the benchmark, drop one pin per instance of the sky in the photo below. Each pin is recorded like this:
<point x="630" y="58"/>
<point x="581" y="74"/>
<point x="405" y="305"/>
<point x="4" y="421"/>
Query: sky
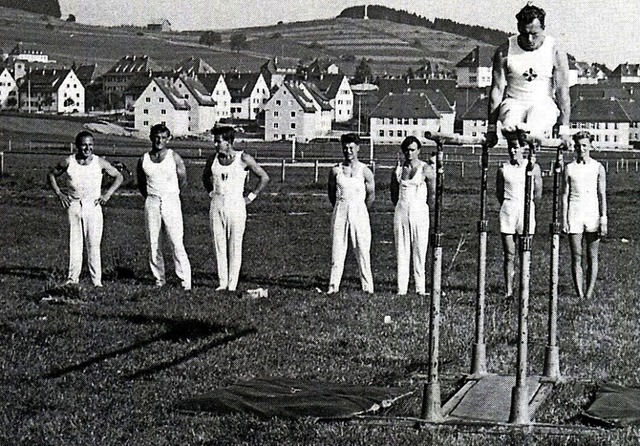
<point x="592" y="30"/>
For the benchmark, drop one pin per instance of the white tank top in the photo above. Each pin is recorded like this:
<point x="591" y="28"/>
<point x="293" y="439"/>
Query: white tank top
<point x="583" y="182"/>
<point x="162" y="177"/>
<point x="229" y="180"/>
<point x="530" y="73"/>
<point x="85" y="180"/>
<point x="413" y="189"/>
<point x="351" y="189"/>
<point x="515" y="176"/>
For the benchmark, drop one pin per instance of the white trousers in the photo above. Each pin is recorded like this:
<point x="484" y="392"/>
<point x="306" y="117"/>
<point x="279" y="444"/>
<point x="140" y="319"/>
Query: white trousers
<point x="165" y="212"/>
<point x="228" y="219"/>
<point x="411" y="233"/>
<point x="85" y="225"/>
<point x="539" y="117"/>
<point x="351" y="221"/>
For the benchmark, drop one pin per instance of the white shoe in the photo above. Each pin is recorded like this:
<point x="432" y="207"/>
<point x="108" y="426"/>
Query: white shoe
<point x="221" y="288"/>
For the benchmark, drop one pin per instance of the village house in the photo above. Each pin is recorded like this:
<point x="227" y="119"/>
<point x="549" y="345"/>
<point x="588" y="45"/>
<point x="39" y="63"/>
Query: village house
<point x="606" y="119"/>
<point x="474" y="70"/>
<point x="162" y="103"/>
<point x="193" y="67"/>
<point x="584" y="73"/>
<point x="8" y="90"/>
<point x="161" y="25"/>
<point x="474" y="120"/>
<point x="202" y="108"/>
<point x="337" y="89"/>
<point x="632" y="108"/>
<point x="217" y="88"/>
<point x="413" y="113"/>
<point x="275" y="71"/>
<point x="51" y="90"/>
<point x="128" y="68"/>
<point x="249" y="93"/>
<point x="297" y="110"/>
<point x="29" y="54"/>
<point x="626" y="73"/>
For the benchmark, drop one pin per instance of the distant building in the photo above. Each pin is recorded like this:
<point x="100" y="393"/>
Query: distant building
<point x="202" y="108"/>
<point x="632" y="108"/>
<point x="29" y="54"/>
<point x="474" y="120"/>
<point x="217" y="88"/>
<point x="249" y="93"/>
<point x="584" y="73"/>
<point x="8" y="91"/>
<point x="51" y="90"/>
<point x="193" y="67"/>
<point x="275" y="71"/>
<point x="606" y="119"/>
<point x="162" y="103"/>
<point x="321" y="67"/>
<point x="162" y="25"/>
<point x="475" y="69"/>
<point x="297" y="110"/>
<point x="626" y="73"/>
<point x="135" y="87"/>
<point x="336" y="88"/>
<point x="85" y="72"/>
<point x="120" y="75"/>
<point x="400" y="115"/>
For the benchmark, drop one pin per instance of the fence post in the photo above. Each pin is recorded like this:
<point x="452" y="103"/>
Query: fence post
<point x="1" y="164"/>
<point x="606" y="166"/>
<point x="282" y="177"/>
<point x="617" y="166"/>
<point x="293" y="152"/>
<point x="316" y="168"/>
<point x="636" y="165"/>
<point x="462" y="169"/>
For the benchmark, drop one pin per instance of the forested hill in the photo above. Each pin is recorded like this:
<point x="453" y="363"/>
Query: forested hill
<point x="47" y="7"/>
<point x="492" y="36"/>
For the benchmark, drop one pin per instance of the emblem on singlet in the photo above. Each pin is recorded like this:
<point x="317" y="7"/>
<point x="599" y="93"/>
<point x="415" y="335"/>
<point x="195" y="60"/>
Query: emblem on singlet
<point x="530" y="75"/>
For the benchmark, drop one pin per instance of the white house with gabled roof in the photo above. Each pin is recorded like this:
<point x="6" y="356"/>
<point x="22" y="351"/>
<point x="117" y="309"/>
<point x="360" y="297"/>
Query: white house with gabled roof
<point x="337" y="89"/>
<point x="51" y="90"/>
<point x="202" y="108"/>
<point x="161" y="103"/>
<point x="297" y="110"/>
<point x="8" y="90"/>
<point x="249" y="94"/>
<point x="217" y="88"/>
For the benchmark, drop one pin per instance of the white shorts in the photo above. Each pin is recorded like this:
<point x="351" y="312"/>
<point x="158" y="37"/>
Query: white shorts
<point x="583" y="219"/>
<point x="539" y="117"/>
<point x="512" y="218"/>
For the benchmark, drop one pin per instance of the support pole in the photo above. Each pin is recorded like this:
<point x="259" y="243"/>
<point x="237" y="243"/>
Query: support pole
<point x="371" y="148"/>
<point x="552" y="357"/>
<point x="293" y="150"/>
<point x="316" y="171"/>
<point x="520" y="394"/>
<point x="479" y="350"/>
<point x="431" y="408"/>
<point x="1" y="164"/>
<point x="283" y="176"/>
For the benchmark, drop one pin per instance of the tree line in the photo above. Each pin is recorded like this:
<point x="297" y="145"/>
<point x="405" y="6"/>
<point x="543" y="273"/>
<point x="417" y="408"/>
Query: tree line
<point x="488" y="35"/>
<point x="47" y="7"/>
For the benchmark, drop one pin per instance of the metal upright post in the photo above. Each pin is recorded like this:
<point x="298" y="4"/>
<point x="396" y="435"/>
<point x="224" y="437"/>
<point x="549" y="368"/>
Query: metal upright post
<point x="552" y="357"/>
<point x="431" y="408"/>
<point x="479" y="351"/>
<point x="520" y="395"/>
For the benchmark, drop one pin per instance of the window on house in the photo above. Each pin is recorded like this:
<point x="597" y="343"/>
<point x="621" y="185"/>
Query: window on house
<point x="293" y="125"/>
<point x="615" y="138"/>
<point x="406" y="121"/>
<point x="293" y="114"/>
<point x="163" y="112"/>
<point x="148" y="100"/>
<point x="381" y="133"/>
<point x="160" y="99"/>
<point x="145" y="111"/>
<point x="276" y="136"/>
<point x="339" y="101"/>
<point x="275" y="125"/>
<point x="145" y="122"/>
<point x="606" y="138"/>
<point x="276" y="113"/>
<point x="292" y="135"/>
<point x="415" y="121"/>
<point x="399" y="132"/>
<point x="278" y="102"/>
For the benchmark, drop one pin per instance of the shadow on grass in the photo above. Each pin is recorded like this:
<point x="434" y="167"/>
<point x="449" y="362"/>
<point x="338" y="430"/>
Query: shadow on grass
<point x="27" y="271"/>
<point x="176" y="331"/>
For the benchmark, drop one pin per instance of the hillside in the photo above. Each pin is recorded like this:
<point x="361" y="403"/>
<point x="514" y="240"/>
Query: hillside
<point x="47" y="7"/>
<point x="390" y="47"/>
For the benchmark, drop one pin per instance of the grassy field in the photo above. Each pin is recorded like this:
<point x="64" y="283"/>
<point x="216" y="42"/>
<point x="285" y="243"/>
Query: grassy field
<point x="108" y="369"/>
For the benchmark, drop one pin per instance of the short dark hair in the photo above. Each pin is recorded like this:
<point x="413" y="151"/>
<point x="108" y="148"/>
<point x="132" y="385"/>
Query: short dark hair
<point x="80" y="136"/>
<point x="226" y="132"/>
<point x="582" y="134"/>
<point x="159" y="128"/>
<point x="348" y="138"/>
<point x="408" y="141"/>
<point x="529" y="13"/>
